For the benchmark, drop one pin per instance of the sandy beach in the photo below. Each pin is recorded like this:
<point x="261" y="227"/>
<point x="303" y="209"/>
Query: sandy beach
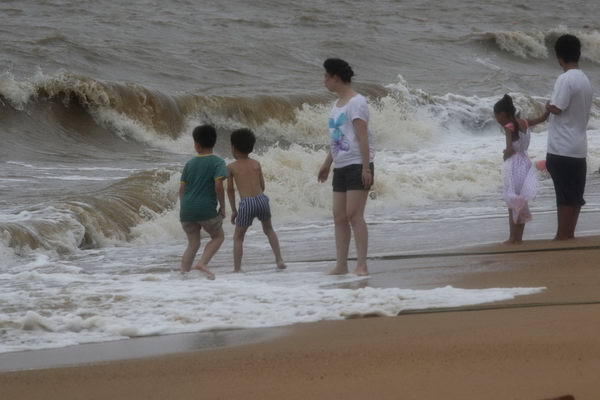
<point x="533" y="347"/>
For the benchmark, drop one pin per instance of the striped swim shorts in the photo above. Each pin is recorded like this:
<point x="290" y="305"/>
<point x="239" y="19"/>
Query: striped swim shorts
<point x="253" y="207"/>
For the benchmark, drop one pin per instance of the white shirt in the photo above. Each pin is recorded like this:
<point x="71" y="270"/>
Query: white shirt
<point x="345" y="148"/>
<point x="567" y="130"/>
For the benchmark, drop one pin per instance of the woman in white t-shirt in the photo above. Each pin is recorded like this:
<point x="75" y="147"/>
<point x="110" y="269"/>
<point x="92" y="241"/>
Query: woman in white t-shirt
<point x="352" y="157"/>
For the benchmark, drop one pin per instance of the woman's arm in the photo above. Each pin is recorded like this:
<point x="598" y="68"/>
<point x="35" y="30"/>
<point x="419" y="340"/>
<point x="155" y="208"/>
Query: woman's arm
<point x="362" y="135"/>
<point x="324" y="170"/>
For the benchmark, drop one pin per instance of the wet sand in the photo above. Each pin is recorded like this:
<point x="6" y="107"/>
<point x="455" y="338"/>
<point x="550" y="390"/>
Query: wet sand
<point x="532" y="347"/>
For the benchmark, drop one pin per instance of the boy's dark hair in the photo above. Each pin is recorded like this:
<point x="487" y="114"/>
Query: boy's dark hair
<point x="339" y="67"/>
<point x="243" y="140"/>
<point x="205" y="136"/>
<point x="568" y="48"/>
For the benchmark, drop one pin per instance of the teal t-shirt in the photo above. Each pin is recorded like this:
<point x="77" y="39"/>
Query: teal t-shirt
<point x="199" y="201"/>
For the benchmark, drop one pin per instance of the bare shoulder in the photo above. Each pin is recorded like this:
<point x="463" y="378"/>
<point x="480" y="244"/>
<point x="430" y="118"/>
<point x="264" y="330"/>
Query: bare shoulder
<point x="232" y="167"/>
<point x="256" y="163"/>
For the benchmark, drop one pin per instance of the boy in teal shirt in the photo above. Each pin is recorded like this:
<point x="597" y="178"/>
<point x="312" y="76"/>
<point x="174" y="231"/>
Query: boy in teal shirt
<point x="200" y="191"/>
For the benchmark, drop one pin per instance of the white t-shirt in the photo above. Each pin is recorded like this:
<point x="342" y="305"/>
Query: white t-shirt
<point x="344" y="144"/>
<point x="567" y="130"/>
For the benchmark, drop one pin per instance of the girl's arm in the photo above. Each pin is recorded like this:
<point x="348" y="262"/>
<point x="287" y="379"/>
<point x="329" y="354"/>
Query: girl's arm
<point x="538" y="120"/>
<point x="508" y="151"/>
<point x="362" y="135"/>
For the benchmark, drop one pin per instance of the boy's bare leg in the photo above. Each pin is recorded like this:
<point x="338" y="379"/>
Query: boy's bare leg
<point x="187" y="260"/>
<point x="342" y="233"/>
<point x="216" y="240"/>
<point x="238" y="247"/>
<point x="274" y="242"/>
<point x="356" y="201"/>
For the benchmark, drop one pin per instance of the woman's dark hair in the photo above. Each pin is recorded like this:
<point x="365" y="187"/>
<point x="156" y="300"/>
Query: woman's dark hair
<point x="339" y="67"/>
<point x="243" y="140"/>
<point x="505" y="104"/>
<point x="205" y="136"/>
<point x="568" y="48"/>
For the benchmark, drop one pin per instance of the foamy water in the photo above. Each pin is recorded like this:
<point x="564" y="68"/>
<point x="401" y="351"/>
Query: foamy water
<point x="96" y="119"/>
<point x="67" y="305"/>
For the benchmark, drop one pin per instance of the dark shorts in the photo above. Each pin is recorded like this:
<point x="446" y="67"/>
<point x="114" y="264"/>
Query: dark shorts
<point x="253" y="207"/>
<point x="568" y="175"/>
<point x="349" y="178"/>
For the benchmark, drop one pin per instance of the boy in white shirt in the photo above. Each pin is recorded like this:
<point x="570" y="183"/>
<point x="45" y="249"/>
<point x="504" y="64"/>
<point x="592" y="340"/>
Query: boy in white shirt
<point x="569" y="109"/>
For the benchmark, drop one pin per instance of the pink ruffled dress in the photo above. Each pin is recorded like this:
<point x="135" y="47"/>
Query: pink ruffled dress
<point x="520" y="178"/>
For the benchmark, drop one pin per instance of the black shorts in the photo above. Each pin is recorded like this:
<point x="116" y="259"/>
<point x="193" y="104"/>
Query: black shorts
<point x="568" y="175"/>
<point x="349" y="178"/>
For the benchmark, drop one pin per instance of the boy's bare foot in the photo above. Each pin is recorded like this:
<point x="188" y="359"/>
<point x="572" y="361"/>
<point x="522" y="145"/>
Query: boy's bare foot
<point x="206" y="271"/>
<point x="238" y="271"/>
<point x="509" y="241"/>
<point x="338" y="270"/>
<point x="361" y="271"/>
<point x="281" y="265"/>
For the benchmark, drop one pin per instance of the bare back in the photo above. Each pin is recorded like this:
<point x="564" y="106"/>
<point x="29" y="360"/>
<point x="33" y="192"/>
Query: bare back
<point x="247" y="176"/>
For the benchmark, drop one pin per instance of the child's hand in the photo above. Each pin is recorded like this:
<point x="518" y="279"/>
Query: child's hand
<point x="233" y="217"/>
<point x="221" y="212"/>
<point x="323" y="173"/>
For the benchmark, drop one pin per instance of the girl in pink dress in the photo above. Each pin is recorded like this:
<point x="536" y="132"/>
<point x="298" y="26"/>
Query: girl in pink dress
<point x="520" y="176"/>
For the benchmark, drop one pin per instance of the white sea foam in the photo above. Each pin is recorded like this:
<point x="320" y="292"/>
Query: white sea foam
<point x="16" y="92"/>
<point x="78" y="308"/>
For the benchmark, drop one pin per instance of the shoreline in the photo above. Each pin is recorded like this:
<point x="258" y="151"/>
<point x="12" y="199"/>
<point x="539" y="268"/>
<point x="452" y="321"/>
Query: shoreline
<point x="533" y="264"/>
<point x="492" y="354"/>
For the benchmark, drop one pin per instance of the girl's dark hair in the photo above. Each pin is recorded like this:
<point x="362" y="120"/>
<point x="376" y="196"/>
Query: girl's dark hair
<point x="505" y="104"/>
<point x="339" y="67"/>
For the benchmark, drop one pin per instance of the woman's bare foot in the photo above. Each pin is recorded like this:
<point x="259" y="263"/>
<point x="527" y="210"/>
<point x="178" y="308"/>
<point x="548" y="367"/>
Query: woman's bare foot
<point x="339" y="270"/>
<point x="361" y="271"/>
<point x="206" y="271"/>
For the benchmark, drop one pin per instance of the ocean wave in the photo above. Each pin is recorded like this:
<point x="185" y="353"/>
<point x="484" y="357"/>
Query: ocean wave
<point x="91" y="220"/>
<point x="538" y="44"/>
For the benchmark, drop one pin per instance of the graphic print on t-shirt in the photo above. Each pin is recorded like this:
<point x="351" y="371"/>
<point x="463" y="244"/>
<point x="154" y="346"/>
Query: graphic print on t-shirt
<point x="338" y="139"/>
